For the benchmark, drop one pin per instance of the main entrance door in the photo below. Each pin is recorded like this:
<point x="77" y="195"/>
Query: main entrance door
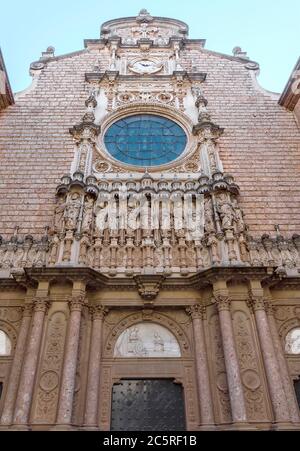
<point x="147" y="405"/>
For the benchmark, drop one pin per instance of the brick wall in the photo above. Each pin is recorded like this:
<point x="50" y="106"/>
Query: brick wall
<point x="260" y="147"/>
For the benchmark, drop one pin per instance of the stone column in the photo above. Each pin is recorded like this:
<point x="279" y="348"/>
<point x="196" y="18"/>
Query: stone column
<point x="26" y="386"/>
<point x="197" y="313"/>
<point x="235" y="386"/>
<point x="279" y="402"/>
<point x="64" y="416"/>
<point x="93" y="381"/>
<point x="15" y="372"/>
<point x="283" y="367"/>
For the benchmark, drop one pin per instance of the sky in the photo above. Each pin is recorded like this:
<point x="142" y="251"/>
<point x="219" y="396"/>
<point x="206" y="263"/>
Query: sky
<point x="267" y="29"/>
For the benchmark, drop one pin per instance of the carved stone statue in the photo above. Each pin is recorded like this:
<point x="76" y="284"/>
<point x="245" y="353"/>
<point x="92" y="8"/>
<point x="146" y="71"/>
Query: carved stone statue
<point x="227" y="215"/>
<point x="238" y="217"/>
<point x="88" y="214"/>
<point x="209" y="216"/>
<point x="59" y="214"/>
<point x="72" y="211"/>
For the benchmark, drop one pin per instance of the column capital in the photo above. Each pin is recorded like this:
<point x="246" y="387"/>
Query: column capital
<point x="270" y="309"/>
<point x="27" y="310"/>
<point x="41" y="304"/>
<point x="223" y="302"/>
<point x="98" y="312"/>
<point x="76" y="303"/>
<point x="196" y="311"/>
<point x="256" y="303"/>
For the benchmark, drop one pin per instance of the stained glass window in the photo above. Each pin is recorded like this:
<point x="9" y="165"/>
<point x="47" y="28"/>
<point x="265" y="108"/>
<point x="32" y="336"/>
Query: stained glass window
<point x="145" y="140"/>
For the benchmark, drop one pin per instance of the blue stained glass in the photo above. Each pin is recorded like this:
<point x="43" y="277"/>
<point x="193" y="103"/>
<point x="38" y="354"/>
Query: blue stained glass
<point x="145" y="140"/>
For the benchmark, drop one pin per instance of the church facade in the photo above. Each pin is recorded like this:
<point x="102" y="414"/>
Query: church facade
<point x="150" y="239"/>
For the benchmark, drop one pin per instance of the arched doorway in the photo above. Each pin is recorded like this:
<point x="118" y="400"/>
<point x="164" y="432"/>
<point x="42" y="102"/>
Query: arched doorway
<point x="148" y="378"/>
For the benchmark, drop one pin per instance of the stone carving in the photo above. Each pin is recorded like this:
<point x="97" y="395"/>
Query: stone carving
<point x="149" y="287"/>
<point x="164" y="321"/>
<point x="5" y="344"/>
<point x="50" y="372"/>
<point x="209" y="216"/>
<point x="88" y="215"/>
<point x="248" y="360"/>
<point x="292" y="342"/>
<point x="147" y="340"/>
<point x="59" y="213"/>
<point x="219" y="371"/>
<point x="72" y="210"/>
<point x="227" y="215"/>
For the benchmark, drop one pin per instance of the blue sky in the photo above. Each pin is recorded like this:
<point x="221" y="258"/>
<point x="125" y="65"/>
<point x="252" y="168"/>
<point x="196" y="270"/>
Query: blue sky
<point x="267" y="29"/>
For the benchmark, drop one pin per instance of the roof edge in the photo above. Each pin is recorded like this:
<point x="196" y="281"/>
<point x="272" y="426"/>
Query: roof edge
<point x="289" y="98"/>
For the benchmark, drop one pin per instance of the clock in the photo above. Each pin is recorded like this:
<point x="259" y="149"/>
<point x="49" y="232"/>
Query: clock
<point x="145" y="66"/>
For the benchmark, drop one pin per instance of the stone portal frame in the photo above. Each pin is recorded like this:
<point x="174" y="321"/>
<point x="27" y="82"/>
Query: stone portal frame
<point x="155" y="109"/>
<point x="180" y="369"/>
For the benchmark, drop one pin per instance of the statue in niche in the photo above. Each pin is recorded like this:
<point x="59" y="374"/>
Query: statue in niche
<point x="59" y="213"/>
<point x="72" y="211"/>
<point x="88" y="213"/>
<point x="238" y="217"/>
<point x="209" y="216"/>
<point x="227" y="215"/>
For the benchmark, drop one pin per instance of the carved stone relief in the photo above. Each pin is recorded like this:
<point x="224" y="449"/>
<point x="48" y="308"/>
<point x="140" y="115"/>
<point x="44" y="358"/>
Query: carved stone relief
<point x="50" y="372"/>
<point x="248" y="359"/>
<point x="219" y="370"/>
<point x="147" y="340"/>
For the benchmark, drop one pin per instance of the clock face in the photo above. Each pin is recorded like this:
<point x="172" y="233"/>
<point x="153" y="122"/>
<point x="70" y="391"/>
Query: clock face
<point x="145" y="66"/>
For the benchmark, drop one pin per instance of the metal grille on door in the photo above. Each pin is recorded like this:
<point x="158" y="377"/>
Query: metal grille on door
<point x="147" y="405"/>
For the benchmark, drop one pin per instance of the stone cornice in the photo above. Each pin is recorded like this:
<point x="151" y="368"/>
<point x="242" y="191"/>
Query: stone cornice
<point x="96" y="280"/>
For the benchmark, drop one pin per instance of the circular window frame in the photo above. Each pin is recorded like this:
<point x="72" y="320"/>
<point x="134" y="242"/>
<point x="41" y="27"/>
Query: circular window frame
<point x="155" y="110"/>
